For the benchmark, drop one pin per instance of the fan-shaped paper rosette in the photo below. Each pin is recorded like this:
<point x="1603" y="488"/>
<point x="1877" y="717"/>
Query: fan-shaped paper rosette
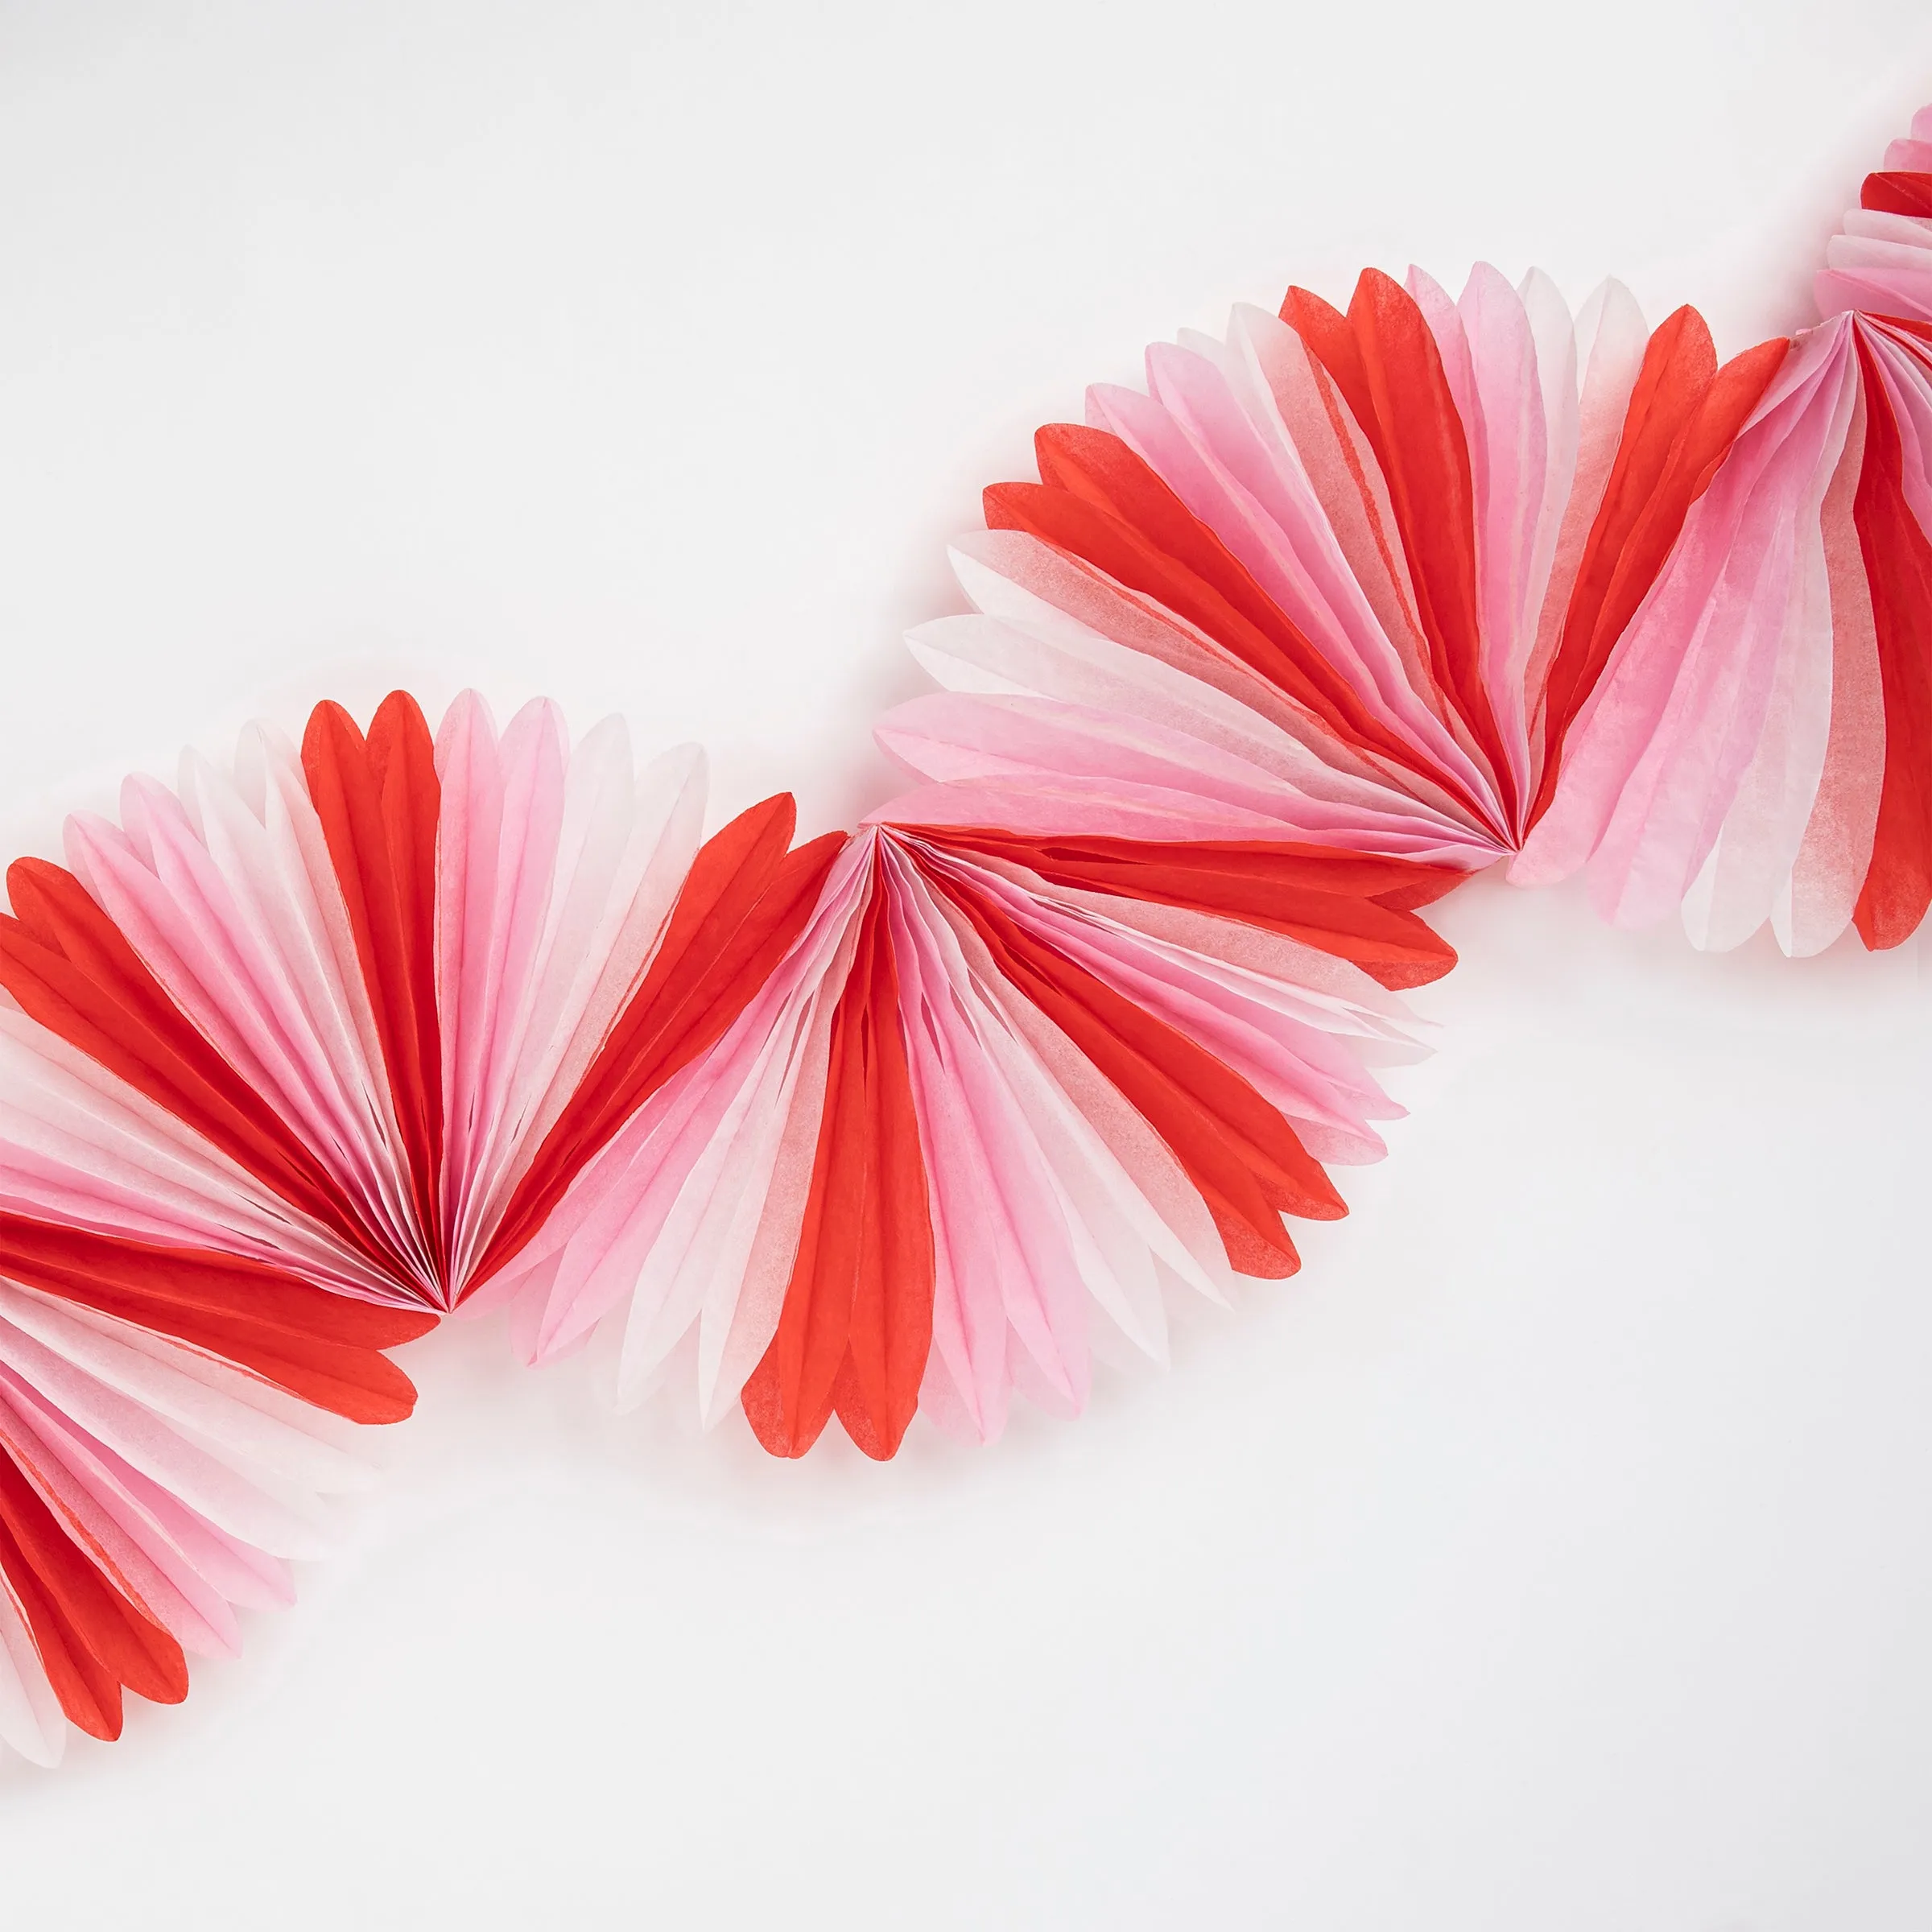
<point x="1761" y="747"/>
<point x="164" y="1428"/>
<point x="1463" y="581"/>
<point x="291" y="1060"/>
<point x="364" y="1012"/>
<point x="999" y="1094"/>
<point x="1340" y="579"/>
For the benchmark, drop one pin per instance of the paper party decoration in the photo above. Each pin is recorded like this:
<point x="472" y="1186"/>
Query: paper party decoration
<point x="291" y="1058"/>
<point x="164" y="1430"/>
<point x="997" y="1090"/>
<point x="310" y="1050"/>
<point x="1348" y="579"/>
<point x="1761" y="748"/>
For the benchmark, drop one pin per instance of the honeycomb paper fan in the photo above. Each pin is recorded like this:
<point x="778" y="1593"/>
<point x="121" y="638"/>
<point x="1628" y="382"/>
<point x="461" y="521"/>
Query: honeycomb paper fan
<point x="1879" y="262"/>
<point x="1338" y="579"/>
<point x="1759" y="748"/>
<point x="165" y="1424"/>
<point x="292" y="1058"/>
<point x="997" y="1091"/>
<point x="364" y="1010"/>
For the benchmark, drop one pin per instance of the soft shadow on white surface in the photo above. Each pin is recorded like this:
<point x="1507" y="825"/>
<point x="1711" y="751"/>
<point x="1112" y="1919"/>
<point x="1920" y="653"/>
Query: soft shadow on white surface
<point x="1553" y="1551"/>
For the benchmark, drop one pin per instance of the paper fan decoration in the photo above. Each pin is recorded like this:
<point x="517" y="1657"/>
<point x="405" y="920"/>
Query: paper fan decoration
<point x="1880" y="262"/>
<point x="1340" y="579"/>
<point x="998" y="1093"/>
<point x="165" y="1421"/>
<point x="363" y="1011"/>
<point x="291" y="1058"/>
<point x="1761" y="748"/>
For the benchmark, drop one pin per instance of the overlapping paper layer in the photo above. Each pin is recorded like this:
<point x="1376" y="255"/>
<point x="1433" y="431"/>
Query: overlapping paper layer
<point x="308" y="1050"/>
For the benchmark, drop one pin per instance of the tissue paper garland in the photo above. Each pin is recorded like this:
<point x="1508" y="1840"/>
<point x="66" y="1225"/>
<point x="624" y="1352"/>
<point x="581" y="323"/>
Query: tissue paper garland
<point x="300" y="1057"/>
<point x="1345" y="608"/>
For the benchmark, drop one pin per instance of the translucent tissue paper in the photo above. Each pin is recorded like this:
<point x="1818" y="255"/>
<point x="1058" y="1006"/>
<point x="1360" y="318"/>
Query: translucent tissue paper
<point x="997" y="1090"/>
<point x="1468" y="581"/>
<point x="293" y="1058"/>
<point x="320" y="1045"/>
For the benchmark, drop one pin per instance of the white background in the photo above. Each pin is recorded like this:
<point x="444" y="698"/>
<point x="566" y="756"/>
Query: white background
<point x="1555" y="1552"/>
